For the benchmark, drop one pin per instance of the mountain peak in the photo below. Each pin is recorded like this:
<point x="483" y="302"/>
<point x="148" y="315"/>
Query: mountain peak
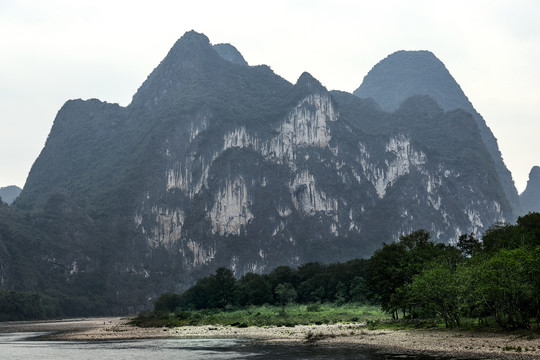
<point x="9" y="193"/>
<point x="406" y="73"/>
<point x="308" y="82"/>
<point x="535" y="173"/>
<point x="230" y="53"/>
<point x="191" y="57"/>
<point x="530" y="198"/>
<point x="191" y="44"/>
<point x="192" y="37"/>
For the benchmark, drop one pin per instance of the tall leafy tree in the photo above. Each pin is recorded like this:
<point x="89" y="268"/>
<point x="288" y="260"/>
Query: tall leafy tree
<point x="437" y="289"/>
<point x="393" y="267"/>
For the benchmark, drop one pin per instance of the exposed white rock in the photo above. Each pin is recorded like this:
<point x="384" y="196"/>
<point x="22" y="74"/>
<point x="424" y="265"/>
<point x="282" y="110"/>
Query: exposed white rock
<point x="168" y="227"/>
<point x="334" y="229"/>
<point x="240" y="138"/>
<point x="284" y="212"/>
<point x="234" y="264"/>
<point x="201" y="255"/>
<point x="198" y="126"/>
<point x="230" y="212"/>
<point x="435" y="203"/>
<point x="356" y="176"/>
<point x="180" y="176"/>
<point x="254" y="268"/>
<point x="474" y="217"/>
<point x="384" y="175"/>
<point x="498" y="211"/>
<point x="306" y="125"/>
<point x="278" y="228"/>
<point x="74" y="268"/>
<point x="432" y="183"/>
<point x="308" y="199"/>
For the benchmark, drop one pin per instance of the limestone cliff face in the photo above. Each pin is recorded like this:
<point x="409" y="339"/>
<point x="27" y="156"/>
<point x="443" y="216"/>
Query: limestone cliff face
<point x="407" y="73"/>
<point x="309" y="185"/>
<point x="216" y="163"/>
<point x="530" y="198"/>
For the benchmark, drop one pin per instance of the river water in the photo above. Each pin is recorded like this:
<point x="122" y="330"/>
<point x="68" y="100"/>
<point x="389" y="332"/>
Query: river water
<point x="26" y="346"/>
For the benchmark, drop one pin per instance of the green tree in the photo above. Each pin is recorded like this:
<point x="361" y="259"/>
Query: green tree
<point x="223" y="286"/>
<point x="358" y="290"/>
<point x="506" y="236"/>
<point x="469" y="245"/>
<point x="437" y="289"/>
<point x="393" y="266"/>
<point x="254" y="289"/>
<point x="507" y="283"/>
<point x="285" y="293"/>
<point x="167" y="302"/>
<point x="385" y="273"/>
<point x="215" y="291"/>
<point x="341" y="296"/>
<point x="531" y="224"/>
<point x="284" y="274"/>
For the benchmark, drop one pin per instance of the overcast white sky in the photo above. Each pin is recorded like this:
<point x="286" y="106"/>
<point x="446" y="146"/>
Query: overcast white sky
<point x="55" y="50"/>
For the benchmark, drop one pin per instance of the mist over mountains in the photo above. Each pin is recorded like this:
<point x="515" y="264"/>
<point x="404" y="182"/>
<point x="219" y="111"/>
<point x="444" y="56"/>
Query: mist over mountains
<point x="218" y="163"/>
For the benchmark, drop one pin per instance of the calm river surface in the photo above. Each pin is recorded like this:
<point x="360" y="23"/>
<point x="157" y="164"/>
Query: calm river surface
<point x="23" y="346"/>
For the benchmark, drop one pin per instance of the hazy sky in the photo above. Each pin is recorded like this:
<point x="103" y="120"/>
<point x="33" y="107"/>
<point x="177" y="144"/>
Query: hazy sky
<point x="55" y="50"/>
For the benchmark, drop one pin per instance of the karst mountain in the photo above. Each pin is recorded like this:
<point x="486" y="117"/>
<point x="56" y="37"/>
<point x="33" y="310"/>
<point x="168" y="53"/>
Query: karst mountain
<point x="218" y="163"/>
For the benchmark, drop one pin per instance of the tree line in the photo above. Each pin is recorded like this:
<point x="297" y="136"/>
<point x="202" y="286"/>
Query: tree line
<point x="309" y="283"/>
<point x="496" y="279"/>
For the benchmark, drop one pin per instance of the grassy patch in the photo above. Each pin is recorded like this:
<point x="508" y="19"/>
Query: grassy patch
<point x="266" y="315"/>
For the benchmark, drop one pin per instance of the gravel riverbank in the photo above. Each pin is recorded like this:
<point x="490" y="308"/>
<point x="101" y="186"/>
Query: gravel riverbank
<point x="449" y="343"/>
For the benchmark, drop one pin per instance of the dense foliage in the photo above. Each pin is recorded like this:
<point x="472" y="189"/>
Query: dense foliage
<point x="16" y="305"/>
<point x="414" y="278"/>
<point x="265" y="315"/>
<point x="309" y="283"/>
<point x="496" y="278"/>
<point x="35" y="284"/>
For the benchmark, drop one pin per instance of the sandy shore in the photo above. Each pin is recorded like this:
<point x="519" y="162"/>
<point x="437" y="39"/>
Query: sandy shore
<point x="435" y="342"/>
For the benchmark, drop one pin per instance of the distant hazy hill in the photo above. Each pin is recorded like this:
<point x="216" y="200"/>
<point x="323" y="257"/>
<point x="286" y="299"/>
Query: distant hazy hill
<point x="9" y="193"/>
<point x="217" y="163"/>
<point x="530" y="198"/>
<point x="406" y="73"/>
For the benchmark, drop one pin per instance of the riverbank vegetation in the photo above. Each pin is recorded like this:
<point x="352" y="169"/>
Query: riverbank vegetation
<point x="495" y="280"/>
<point x="265" y="315"/>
